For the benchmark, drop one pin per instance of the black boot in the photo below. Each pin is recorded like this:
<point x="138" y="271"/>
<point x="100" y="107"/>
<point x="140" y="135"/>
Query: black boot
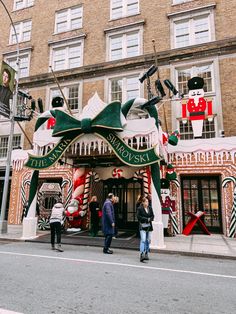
<point x="142" y="258"/>
<point x="146" y="257"/>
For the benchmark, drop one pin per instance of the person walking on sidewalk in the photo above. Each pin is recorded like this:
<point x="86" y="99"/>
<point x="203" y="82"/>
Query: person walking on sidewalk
<point x="145" y="217"/>
<point x="55" y="225"/>
<point x="108" y="222"/>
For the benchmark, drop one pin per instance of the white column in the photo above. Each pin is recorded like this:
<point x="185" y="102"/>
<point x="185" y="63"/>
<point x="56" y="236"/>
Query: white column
<point x="30" y="222"/>
<point x="157" y="239"/>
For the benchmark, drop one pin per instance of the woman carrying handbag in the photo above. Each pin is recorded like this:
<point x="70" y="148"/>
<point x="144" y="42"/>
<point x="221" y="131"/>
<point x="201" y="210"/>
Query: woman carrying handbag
<point x="145" y="217"/>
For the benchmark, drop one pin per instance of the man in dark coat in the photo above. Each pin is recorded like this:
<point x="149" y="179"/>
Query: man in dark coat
<point x="108" y="222"/>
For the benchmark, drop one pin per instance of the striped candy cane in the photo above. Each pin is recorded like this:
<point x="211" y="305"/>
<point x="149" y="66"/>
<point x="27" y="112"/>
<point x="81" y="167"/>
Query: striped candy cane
<point x="142" y="174"/>
<point x="232" y="227"/>
<point x="69" y="191"/>
<point x="87" y="187"/>
<point x="173" y="217"/>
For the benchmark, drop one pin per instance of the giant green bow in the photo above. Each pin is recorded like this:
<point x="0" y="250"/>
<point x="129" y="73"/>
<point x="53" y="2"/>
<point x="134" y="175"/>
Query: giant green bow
<point x="105" y="125"/>
<point x="108" y="118"/>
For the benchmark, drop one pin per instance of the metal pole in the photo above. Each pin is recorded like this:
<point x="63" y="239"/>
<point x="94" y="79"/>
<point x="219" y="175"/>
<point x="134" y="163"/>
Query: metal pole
<point x="3" y="222"/>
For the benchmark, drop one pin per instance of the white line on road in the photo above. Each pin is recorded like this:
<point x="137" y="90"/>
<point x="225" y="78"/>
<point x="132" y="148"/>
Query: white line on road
<point x="2" y="311"/>
<point x="118" y="264"/>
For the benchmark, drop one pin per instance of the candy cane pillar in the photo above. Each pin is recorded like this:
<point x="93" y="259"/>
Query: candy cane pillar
<point x="157" y="238"/>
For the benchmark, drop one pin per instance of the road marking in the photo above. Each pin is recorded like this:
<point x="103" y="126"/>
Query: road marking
<point x="3" y="311"/>
<point x="118" y="264"/>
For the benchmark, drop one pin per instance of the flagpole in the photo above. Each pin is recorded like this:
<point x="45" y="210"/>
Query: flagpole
<point x="3" y="221"/>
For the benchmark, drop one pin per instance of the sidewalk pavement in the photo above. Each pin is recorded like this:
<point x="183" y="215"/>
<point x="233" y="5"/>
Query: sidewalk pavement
<point x="215" y="245"/>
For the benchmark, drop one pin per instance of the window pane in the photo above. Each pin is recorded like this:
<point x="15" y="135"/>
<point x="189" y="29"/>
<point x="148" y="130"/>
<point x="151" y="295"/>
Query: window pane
<point x="183" y="77"/>
<point x="132" y="7"/>
<point x="24" y="65"/>
<point x="13" y="37"/>
<point x="73" y="98"/>
<point x="74" y="56"/>
<point x="61" y="24"/>
<point x="3" y="146"/>
<point x="201" y="30"/>
<point x="116" y="47"/>
<point x="76" y="17"/>
<point x="182" y="34"/>
<point x="19" y="4"/>
<point x="132" y="88"/>
<point x="117" y="6"/>
<point x="206" y="73"/>
<point x="26" y="31"/>
<point x="132" y="45"/>
<point x="116" y="90"/>
<point x="59" y="59"/>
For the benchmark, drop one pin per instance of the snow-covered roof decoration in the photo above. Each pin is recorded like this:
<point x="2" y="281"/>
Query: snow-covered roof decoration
<point x="137" y="133"/>
<point x="207" y="150"/>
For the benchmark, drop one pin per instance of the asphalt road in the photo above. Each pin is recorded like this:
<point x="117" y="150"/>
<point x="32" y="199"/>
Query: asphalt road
<point x="83" y="280"/>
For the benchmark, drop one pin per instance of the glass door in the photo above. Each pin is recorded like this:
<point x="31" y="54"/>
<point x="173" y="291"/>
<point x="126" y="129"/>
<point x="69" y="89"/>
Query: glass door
<point x="202" y="194"/>
<point x="127" y="191"/>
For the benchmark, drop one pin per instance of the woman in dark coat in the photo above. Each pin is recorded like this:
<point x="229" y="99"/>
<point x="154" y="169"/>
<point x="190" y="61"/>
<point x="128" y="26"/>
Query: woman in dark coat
<point x="145" y="217"/>
<point x="94" y="211"/>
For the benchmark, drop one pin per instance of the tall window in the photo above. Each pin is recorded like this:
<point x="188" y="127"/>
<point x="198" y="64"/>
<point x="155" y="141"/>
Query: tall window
<point x="72" y="94"/>
<point x="193" y="28"/>
<point x="4" y="144"/>
<point x="67" y="57"/>
<point x="183" y="75"/>
<point x="124" y="88"/>
<point x="122" y="8"/>
<point x="192" y="31"/>
<point x="124" y="45"/>
<point x="21" y="4"/>
<point x="68" y="19"/>
<point x="23" y="31"/>
<point x="24" y="64"/>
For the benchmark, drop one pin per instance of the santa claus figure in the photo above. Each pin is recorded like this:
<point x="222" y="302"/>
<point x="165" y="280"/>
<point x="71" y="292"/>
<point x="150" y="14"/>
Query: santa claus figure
<point x="195" y="109"/>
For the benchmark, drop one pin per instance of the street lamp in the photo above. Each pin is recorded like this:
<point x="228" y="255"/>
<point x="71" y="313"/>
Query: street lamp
<point x="3" y="221"/>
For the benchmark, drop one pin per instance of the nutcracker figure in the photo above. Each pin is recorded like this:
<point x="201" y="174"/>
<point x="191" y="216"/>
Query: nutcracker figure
<point x="196" y="106"/>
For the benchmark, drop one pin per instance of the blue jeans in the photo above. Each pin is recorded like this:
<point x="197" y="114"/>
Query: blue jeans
<point x="145" y="239"/>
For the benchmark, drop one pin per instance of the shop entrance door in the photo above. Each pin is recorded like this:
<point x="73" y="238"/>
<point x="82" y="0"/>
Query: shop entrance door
<point x="202" y="194"/>
<point x="127" y="190"/>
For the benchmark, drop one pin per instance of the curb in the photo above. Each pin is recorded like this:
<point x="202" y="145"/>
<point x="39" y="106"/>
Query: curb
<point x="160" y="251"/>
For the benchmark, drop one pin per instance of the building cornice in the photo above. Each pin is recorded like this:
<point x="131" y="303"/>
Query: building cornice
<point x="193" y="10"/>
<point x="66" y="40"/>
<point x="164" y="58"/>
<point x="125" y="26"/>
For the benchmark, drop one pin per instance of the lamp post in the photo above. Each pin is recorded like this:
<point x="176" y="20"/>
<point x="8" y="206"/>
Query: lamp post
<point x="3" y="221"/>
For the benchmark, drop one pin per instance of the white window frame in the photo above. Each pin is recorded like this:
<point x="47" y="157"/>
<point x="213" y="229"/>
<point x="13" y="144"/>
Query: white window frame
<point x="21" y="32"/>
<point x="124" y="32"/>
<point x="174" y="2"/>
<point x="25" y="4"/>
<point x="124" y="10"/>
<point x="215" y="94"/>
<point x="23" y="53"/>
<point x="124" y="80"/>
<point x="66" y="44"/>
<point x="7" y="137"/>
<point x="65" y="90"/>
<point x="68" y="19"/>
<point x="190" y="16"/>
